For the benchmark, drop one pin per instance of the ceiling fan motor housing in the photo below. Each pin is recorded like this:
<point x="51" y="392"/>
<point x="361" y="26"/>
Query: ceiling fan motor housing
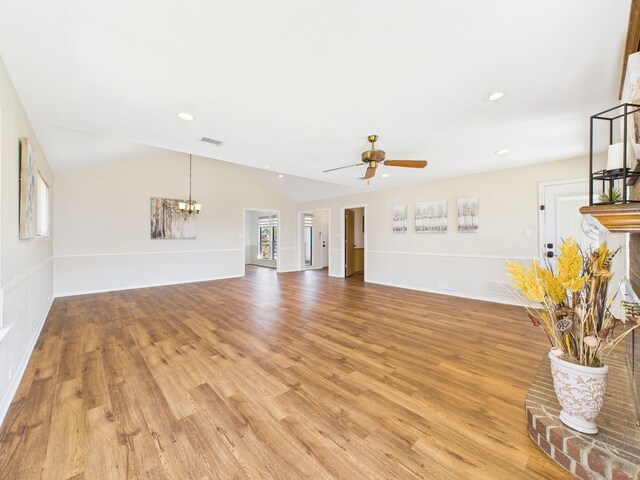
<point x="373" y="156"/>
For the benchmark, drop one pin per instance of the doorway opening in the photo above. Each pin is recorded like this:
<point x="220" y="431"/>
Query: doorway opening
<point x="313" y="239"/>
<point x="308" y="240"/>
<point x="355" y="240"/>
<point x="261" y="238"/>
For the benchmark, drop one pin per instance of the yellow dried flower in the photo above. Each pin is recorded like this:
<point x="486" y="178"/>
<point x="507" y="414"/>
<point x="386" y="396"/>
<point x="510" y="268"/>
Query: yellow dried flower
<point x="570" y="265"/>
<point x="536" y="282"/>
<point x="571" y="320"/>
<point x="551" y="285"/>
<point x="525" y="280"/>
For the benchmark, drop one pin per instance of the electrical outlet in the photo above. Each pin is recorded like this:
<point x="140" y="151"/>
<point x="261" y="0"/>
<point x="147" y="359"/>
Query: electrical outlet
<point x="443" y="286"/>
<point x="10" y="372"/>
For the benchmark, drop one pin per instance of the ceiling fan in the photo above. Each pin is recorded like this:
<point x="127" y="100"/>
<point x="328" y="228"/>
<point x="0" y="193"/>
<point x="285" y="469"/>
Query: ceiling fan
<point x="374" y="157"/>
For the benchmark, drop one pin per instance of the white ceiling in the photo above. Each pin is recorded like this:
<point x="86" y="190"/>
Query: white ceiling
<point x="298" y="85"/>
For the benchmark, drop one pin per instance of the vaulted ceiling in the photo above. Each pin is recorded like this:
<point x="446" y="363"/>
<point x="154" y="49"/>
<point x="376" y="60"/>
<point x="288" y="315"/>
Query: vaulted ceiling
<point x="298" y="85"/>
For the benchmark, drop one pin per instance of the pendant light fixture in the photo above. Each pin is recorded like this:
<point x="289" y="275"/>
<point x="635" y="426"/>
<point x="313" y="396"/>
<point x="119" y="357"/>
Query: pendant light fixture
<point x="190" y="206"/>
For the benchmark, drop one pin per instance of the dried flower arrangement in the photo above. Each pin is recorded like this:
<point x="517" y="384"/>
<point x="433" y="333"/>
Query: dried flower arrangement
<point x="574" y="309"/>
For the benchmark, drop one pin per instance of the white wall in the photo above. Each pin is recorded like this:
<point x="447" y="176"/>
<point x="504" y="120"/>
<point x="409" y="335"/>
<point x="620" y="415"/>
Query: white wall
<point x="102" y="224"/>
<point x="250" y="237"/>
<point x="26" y="266"/>
<point x="466" y="264"/>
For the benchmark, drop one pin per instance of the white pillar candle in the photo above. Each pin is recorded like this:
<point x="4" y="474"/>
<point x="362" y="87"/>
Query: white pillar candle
<point x="615" y="156"/>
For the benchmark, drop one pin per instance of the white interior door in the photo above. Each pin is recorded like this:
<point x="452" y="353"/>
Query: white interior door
<point x="561" y="217"/>
<point x="325" y="241"/>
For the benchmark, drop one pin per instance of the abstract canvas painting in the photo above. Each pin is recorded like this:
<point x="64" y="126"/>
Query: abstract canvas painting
<point x="400" y="222"/>
<point x="431" y="217"/>
<point x="631" y="94"/>
<point x="168" y="222"/>
<point x="468" y="214"/>
<point x="27" y="213"/>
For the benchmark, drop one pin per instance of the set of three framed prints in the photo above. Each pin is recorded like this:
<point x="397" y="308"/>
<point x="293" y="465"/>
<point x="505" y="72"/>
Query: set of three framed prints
<point x="433" y="216"/>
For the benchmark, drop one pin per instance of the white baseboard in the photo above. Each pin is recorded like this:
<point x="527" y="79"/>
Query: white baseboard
<point x="483" y="298"/>
<point x="17" y="378"/>
<point x="135" y="287"/>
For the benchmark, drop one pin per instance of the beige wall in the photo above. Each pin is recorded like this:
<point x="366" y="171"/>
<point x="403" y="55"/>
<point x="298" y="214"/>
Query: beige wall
<point x="467" y="264"/>
<point x="25" y="265"/>
<point x="102" y="224"/>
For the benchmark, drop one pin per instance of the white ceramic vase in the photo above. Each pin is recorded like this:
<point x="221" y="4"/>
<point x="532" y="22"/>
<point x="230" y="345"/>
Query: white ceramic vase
<point x="580" y="391"/>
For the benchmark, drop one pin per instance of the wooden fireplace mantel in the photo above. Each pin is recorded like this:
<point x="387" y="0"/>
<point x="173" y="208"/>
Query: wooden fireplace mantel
<point x="616" y="218"/>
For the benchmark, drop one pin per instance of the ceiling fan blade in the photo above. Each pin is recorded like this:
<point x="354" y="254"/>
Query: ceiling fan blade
<point x="406" y="163"/>
<point x="370" y="173"/>
<point x="340" y="168"/>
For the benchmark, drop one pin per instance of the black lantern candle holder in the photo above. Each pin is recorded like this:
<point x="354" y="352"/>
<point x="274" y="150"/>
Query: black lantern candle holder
<point x="614" y="182"/>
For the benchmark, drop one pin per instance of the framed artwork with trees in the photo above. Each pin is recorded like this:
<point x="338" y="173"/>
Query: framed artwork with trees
<point x="468" y="214"/>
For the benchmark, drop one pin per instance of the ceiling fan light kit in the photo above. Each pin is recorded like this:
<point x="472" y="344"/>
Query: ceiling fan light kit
<point x="374" y="157"/>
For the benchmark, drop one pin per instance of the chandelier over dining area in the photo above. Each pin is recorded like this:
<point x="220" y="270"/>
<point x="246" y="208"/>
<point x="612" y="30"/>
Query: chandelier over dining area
<point x="191" y="206"/>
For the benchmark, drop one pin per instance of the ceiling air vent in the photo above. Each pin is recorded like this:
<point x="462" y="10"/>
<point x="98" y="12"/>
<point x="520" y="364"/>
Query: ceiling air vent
<point x="212" y="141"/>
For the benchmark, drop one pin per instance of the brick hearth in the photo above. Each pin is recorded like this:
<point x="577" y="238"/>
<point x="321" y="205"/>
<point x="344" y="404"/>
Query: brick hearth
<point x="613" y="453"/>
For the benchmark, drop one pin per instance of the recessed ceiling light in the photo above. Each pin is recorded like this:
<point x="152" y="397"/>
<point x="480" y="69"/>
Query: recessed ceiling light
<point x="186" y="116"/>
<point x="384" y="175"/>
<point x="502" y="151"/>
<point x="280" y="175"/>
<point x="495" y="96"/>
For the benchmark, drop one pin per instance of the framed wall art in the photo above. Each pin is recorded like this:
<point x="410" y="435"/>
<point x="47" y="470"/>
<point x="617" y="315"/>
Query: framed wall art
<point x="468" y="214"/>
<point x="431" y="217"/>
<point x="631" y="94"/>
<point x="168" y="222"/>
<point x="27" y="187"/>
<point x="400" y="221"/>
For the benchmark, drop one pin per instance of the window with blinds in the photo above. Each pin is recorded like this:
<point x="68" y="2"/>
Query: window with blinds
<point x="268" y="235"/>
<point x="308" y="220"/>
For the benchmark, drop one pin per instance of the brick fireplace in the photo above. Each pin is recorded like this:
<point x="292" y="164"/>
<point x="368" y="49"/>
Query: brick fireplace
<point x="613" y="453"/>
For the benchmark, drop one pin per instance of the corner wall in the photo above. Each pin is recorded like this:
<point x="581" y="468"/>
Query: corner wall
<point x="102" y="224"/>
<point x="26" y="266"/>
<point x="463" y="264"/>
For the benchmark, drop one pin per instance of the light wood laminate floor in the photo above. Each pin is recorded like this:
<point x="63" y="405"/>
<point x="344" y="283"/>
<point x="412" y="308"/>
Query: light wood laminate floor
<point x="288" y="376"/>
